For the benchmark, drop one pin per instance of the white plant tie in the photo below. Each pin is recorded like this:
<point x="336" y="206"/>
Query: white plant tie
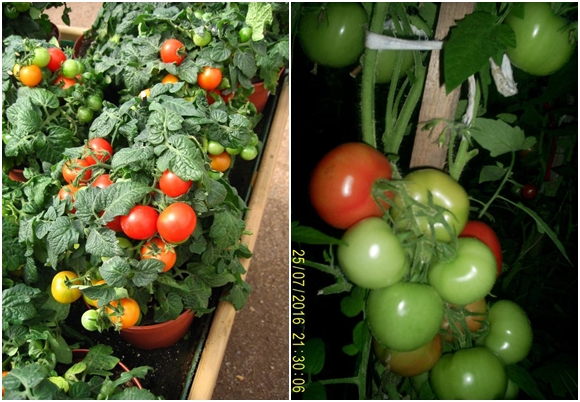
<point x="468" y="116"/>
<point x="504" y="77"/>
<point x="382" y="42"/>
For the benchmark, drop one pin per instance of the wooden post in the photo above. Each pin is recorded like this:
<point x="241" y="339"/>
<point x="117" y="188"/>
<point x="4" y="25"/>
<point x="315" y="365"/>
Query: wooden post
<point x="215" y="346"/>
<point x="436" y="103"/>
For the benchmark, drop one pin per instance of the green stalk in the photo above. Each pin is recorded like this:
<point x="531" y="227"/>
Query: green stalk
<point x="499" y="188"/>
<point x="368" y="79"/>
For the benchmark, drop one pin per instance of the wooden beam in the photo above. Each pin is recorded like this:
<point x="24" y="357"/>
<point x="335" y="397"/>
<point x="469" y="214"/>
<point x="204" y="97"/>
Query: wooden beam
<point x="436" y="104"/>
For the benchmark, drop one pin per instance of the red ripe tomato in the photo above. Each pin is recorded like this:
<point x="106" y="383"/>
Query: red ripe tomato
<point x="210" y="99"/>
<point x="72" y="168"/>
<point x="172" y="51"/>
<point x="210" y="78"/>
<point x="158" y="250"/>
<point x="177" y="222"/>
<point x="529" y="192"/>
<point x="57" y="57"/>
<point x="140" y="223"/>
<point x="115" y="224"/>
<point x="485" y="234"/>
<point x="100" y="148"/>
<point x="340" y="187"/>
<point x="69" y="191"/>
<point x="172" y="185"/>
<point x="64" y="82"/>
<point x="102" y="181"/>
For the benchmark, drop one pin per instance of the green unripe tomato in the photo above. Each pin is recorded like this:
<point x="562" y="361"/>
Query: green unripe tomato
<point x="404" y="316"/>
<point x="468" y="277"/>
<point x="386" y="60"/>
<point x="22" y="6"/>
<point x="41" y="57"/>
<point x="85" y="115"/>
<point x="215" y="148"/>
<point x="70" y="68"/>
<point x="95" y="103"/>
<point x="474" y="373"/>
<point x="374" y="257"/>
<point x="89" y="320"/>
<point x="202" y="41"/>
<point x="233" y="151"/>
<point x="249" y="153"/>
<point x="11" y="12"/>
<point x="254" y="140"/>
<point x="510" y="333"/>
<point x="245" y="34"/>
<point x="446" y="193"/>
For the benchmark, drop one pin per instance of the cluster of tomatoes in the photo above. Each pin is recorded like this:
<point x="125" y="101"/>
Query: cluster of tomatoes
<point x="160" y="231"/>
<point x="419" y="297"/>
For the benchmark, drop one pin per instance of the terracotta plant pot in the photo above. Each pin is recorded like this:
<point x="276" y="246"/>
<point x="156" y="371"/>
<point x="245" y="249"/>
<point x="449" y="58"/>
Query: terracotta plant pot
<point x="260" y="96"/>
<point x="79" y="354"/>
<point x="17" y="175"/>
<point x="158" y="335"/>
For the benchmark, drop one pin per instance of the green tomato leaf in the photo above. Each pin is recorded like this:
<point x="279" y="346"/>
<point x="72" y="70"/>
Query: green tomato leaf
<point x="238" y="294"/>
<point x="102" y="242"/>
<point x="354" y="304"/>
<point x="147" y="271"/>
<point x="524" y="380"/>
<point x="314" y="356"/>
<point x="350" y="349"/>
<point x="499" y="137"/>
<point x="227" y="229"/>
<point x="115" y="271"/>
<point x="314" y="390"/>
<point x="309" y="235"/>
<point x="170" y="307"/>
<point x="492" y="173"/>
<point x="16" y="304"/>
<point x="473" y="41"/>
<point x="259" y="16"/>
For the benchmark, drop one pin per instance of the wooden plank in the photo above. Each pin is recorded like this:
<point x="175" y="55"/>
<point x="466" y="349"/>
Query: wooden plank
<point x="213" y="353"/>
<point x="436" y="104"/>
<point x="70" y="33"/>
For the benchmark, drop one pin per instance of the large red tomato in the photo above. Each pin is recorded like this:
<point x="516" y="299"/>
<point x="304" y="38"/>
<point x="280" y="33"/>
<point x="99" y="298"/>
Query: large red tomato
<point x="177" y="222"/>
<point x="340" y="187"/>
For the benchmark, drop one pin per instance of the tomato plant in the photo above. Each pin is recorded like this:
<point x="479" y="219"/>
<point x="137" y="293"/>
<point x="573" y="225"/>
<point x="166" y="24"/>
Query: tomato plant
<point x="73" y="168"/>
<point x="176" y="222"/>
<point x="404" y="316"/>
<point x="172" y="185"/>
<point x="220" y="162"/>
<point x="412" y="363"/>
<point x="57" y="57"/>
<point x="140" y="223"/>
<point x="474" y="373"/>
<point x="210" y="78"/>
<point x="30" y="75"/>
<point x="157" y="249"/>
<point x="172" y="51"/>
<point x="98" y="149"/>
<point x="510" y="333"/>
<point x="446" y="193"/>
<point x="59" y="289"/>
<point x="485" y="234"/>
<point x="468" y="277"/>
<point x="89" y="320"/>
<point x="543" y="40"/>
<point x="341" y="184"/>
<point x="369" y="244"/>
<point x="129" y="312"/>
<point x="335" y="37"/>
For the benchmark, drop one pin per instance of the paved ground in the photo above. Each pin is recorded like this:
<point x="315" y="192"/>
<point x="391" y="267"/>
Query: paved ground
<point x="256" y="362"/>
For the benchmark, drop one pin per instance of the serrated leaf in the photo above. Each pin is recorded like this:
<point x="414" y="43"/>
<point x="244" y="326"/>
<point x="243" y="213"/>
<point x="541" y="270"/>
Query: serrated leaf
<point x="183" y="158"/>
<point x="115" y="271"/>
<point x="492" y="173"/>
<point x="128" y="156"/>
<point x="226" y="229"/>
<point x="499" y="137"/>
<point x="147" y="271"/>
<point x="472" y="42"/>
<point x="102" y="242"/>
<point x="258" y="17"/>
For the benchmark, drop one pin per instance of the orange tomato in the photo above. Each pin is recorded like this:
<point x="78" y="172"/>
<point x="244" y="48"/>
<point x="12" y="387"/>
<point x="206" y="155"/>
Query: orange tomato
<point x="66" y="82"/>
<point x="92" y="302"/>
<point x="3" y="375"/>
<point x="158" y="250"/>
<point x="477" y="315"/>
<point x="30" y="75"/>
<point x="220" y="162"/>
<point x="169" y="79"/>
<point x="129" y="315"/>
<point x="412" y="363"/>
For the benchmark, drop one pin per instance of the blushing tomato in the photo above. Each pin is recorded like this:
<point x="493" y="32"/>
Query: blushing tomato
<point x="473" y="313"/>
<point x="140" y="223"/>
<point x="60" y="291"/>
<point x="543" y="40"/>
<point x="170" y="79"/>
<point x="172" y="51"/>
<point x="334" y="37"/>
<point x="510" y="333"/>
<point x="176" y="222"/>
<point x="129" y="315"/>
<point x="474" y="373"/>
<point x="210" y="78"/>
<point x="412" y="363"/>
<point x="220" y="162"/>
<point x="446" y="193"/>
<point x="172" y="185"/>
<point x="63" y="82"/>
<point x="57" y="57"/>
<point x="404" y="316"/>
<point x="157" y="249"/>
<point x="468" y="277"/>
<point x="30" y="75"/>
<point x="103" y="181"/>
<point x="341" y="184"/>
<point x="98" y="149"/>
<point x="485" y="234"/>
<point x="74" y="167"/>
<point x="373" y="258"/>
